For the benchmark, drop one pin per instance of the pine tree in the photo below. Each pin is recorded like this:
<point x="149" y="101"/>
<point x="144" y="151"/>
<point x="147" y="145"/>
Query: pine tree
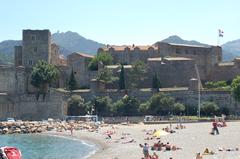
<point x="155" y="82"/>
<point x="72" y="83"/>
<point x="122" y="79"/>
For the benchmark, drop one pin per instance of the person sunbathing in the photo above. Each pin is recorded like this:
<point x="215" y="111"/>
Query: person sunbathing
<point x="130" y="141"/>
<point x="168" y="147"/>
<point x="174" y="148"/>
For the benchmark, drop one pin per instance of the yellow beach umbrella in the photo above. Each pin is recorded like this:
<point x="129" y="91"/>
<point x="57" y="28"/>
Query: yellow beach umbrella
<point x="160" y="133"/>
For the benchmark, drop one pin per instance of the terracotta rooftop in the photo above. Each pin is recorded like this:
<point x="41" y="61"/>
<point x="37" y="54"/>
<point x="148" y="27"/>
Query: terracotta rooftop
<point x="84" y="55"/>
<point x="131" y="47"/>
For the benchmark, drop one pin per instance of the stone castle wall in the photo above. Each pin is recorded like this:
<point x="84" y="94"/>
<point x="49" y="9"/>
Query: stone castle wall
<point x="12" y="80"/>
<point x="204" y="56"/>
<point x="26" y="107"/>
<point x="225" y="71"/>
<point x="79" y="64"/>
<point x="131" y="54"/>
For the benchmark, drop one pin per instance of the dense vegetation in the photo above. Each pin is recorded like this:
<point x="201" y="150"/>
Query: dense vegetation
<point x="106" y="76"/>
<point x="218" y="85"/>
<point x="137" y="74"/>
<point x="236" y="88"/>
<point x="103" y="57"/>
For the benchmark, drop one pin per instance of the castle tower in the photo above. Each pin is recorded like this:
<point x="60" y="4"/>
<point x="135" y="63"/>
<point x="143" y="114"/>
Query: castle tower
<point x="36" y="45"/>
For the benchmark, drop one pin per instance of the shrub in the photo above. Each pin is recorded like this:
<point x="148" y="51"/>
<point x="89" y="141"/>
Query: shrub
<point x="209" y="108"/>
<point x="127" y="106"/>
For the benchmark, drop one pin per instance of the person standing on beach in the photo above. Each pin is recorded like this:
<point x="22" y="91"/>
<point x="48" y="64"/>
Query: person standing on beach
<point x="215" y="128"/>
<point x="145" y="150"/>
<point x="71" y="128"/>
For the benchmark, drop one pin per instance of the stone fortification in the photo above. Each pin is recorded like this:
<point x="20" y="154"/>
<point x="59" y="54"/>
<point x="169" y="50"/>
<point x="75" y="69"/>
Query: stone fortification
<point x="12" y="80"/>
<point x="36" y="46"/>
<point x="27" y="107"/>
<point x="130" y="54"/>
<point x="79" y="63"/>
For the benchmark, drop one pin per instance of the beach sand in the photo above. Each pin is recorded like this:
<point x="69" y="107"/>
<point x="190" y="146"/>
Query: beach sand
<point x="195" y="138"/>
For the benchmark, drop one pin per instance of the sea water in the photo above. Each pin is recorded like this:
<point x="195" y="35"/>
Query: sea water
<point x="48" y="147"/>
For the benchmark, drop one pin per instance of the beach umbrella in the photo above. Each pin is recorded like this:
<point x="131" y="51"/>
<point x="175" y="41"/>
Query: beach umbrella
<point x="160" y="133"/>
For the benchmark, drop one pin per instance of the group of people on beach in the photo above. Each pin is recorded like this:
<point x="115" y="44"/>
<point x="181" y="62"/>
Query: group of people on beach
<point x="146" y="152"/>
<point x="158" y="147"/>
<point x="217" y="123"/>
<point x="161" y="146"/>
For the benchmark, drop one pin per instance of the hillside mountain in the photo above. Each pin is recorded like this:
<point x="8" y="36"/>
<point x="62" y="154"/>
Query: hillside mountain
<point x="231" y="49"/>
<point x="176" y="39"/>
<point x="71" y="41"/>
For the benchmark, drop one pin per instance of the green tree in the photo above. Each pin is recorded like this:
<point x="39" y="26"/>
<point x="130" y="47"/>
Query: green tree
<point x="103" y="106"/>
<point x="103" y="57"/>
<point x="137" y="74"/>
<point x="127" y="106"/>
<point x="209" y="108"/>
<point x="106" y="76"/>
<point x="42" y="75"/>
<point x="235" y="86"/>
<point x="76" y="106"/>
<point x="72" y="83"/>
<point x="156" y="82"/>
<point x="122" y="79"/>
<point x="144" y="108"/>
<point x="178" y="108"/>
<point x="160" y="104"/>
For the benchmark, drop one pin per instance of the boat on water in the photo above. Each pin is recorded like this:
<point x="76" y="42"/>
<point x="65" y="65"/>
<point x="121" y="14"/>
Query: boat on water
<point x="10" y="153"/>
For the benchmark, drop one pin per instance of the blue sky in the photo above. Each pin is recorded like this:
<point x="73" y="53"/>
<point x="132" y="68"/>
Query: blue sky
<point x="124" y="21"/>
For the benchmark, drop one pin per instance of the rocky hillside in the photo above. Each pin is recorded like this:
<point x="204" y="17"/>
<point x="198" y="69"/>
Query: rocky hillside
<point x="72" y="41"/>
<point x="176" y="39"/>
<point x="231" y="49"/>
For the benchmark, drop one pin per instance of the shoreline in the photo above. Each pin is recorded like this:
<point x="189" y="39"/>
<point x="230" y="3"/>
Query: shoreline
<point x="89" y="140"/>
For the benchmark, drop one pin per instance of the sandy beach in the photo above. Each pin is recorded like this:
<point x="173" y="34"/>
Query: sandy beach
<point x="195" y="138"/>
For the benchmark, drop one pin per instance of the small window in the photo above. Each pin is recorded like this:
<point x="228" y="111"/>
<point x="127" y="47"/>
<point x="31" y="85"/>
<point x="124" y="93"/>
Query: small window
<point x="178" y="51"/>
<point x="35" y="49"/>
<point x="33" y="37"/>
<point x="30" y="62"/>
<point x="75" y="73"/>
<point x="186" y="51"/>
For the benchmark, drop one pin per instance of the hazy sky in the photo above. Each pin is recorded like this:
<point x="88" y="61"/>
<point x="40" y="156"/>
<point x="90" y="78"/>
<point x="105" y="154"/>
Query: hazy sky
<point x="124" y="21"/>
